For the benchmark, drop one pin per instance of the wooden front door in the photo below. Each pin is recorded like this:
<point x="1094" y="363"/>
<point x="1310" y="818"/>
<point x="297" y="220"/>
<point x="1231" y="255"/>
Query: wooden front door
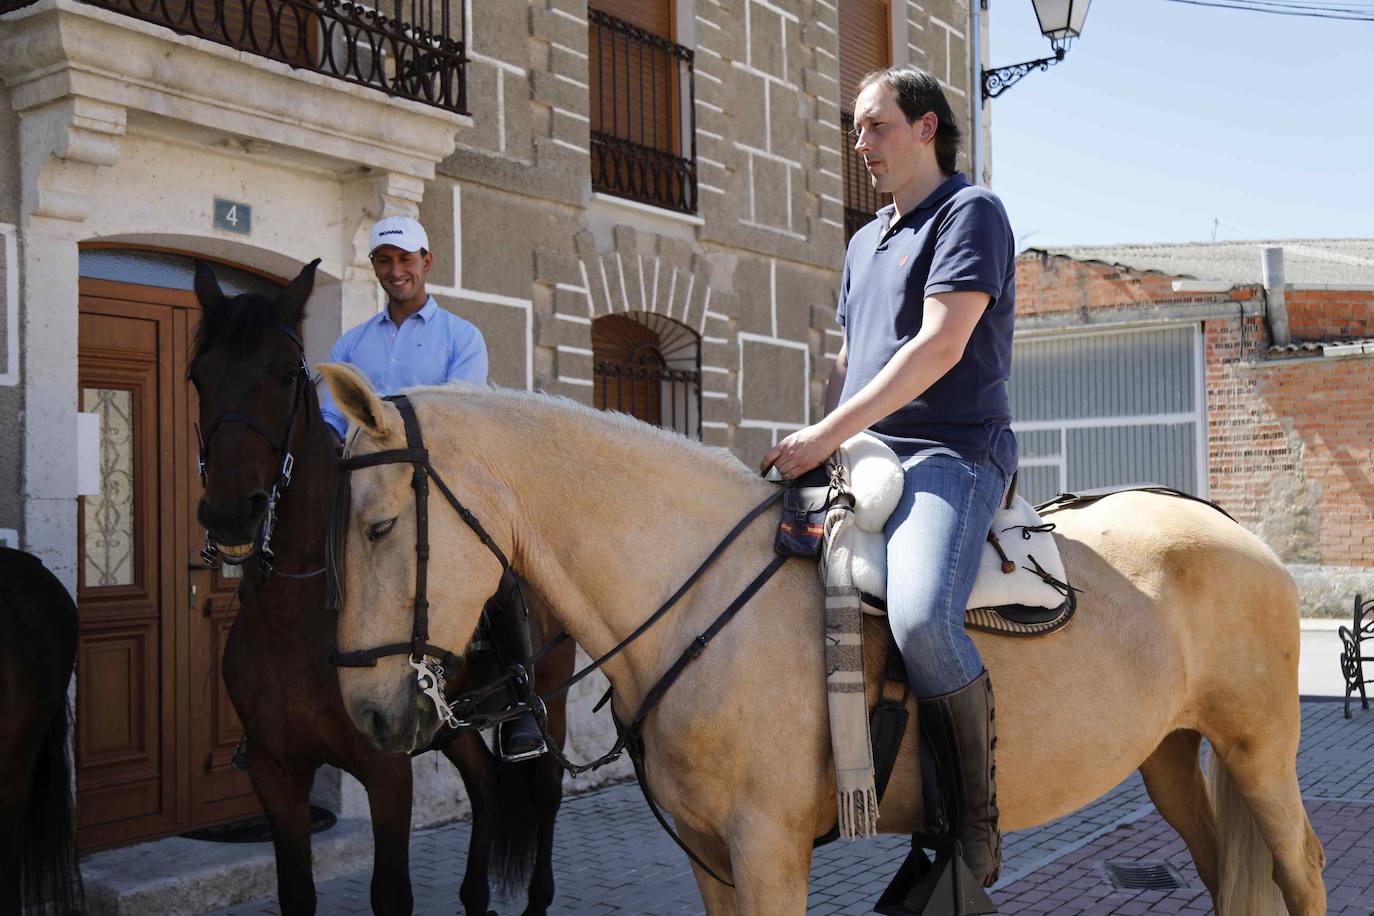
<point x="154" y="728"/>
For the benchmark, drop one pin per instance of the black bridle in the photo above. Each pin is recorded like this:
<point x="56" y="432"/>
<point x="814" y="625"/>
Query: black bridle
<point x="286" y="462"/>
<point x="429" y="661"/>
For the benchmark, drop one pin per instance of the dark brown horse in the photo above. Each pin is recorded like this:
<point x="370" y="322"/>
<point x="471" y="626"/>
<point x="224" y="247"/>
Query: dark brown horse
<point x="37" y="822"/>
<point x="257" y="405"/>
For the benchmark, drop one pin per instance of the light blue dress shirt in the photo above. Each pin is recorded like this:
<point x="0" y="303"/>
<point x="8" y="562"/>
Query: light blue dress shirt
<point x="431" y="347"/>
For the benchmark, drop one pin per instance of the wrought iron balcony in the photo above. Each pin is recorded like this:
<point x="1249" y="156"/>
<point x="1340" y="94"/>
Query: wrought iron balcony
<point x="860" y="200"/>
<point x="413" y="49"/>
<point x="643" y="122"/>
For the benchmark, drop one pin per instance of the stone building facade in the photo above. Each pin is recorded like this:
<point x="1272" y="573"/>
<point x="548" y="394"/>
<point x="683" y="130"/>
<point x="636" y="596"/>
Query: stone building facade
<point x="1286" y="396"/>
<point x="123" y="142"/>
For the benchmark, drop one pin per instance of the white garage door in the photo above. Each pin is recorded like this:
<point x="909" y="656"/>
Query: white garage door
<point x="1103" y="409"/>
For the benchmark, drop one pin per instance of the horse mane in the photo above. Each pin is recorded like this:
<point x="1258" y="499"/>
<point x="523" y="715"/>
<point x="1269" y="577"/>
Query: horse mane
<point x="237" y="324"/>
<point x="539" y="409"/>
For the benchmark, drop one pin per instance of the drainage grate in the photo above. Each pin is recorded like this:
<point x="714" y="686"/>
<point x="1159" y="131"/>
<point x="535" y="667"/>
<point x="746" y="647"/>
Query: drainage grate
<point x="1143" y="876"/>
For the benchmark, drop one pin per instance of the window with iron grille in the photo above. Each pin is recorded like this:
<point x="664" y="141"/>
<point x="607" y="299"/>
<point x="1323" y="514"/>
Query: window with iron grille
<point x="865" y="46"/>
<point x="649" y="367"/>
<point x="643" y="131"/>
<point x="414" y="49"/>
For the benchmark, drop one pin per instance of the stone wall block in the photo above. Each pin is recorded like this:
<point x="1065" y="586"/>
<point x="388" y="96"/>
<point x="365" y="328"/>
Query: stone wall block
<point x="572" y="365"/>
<point x="721" y="410"/>
<point x="551" y="331"/>
<point x="550" y="90"/>
<point x="565" y="63"/>
<point x="553" y="28"/>
<point x="767" y="52"/>
<point x="748" y="124"/>
<point x="725" y="355"/>
<point x="554" y="266"/>
<point x="770" y="192"/>
<point x="787" y="127"/>
<point x="500" y="29"/>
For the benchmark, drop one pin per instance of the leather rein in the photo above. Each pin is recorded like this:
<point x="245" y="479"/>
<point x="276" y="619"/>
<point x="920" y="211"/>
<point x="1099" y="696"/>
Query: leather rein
<point x="286" y="462"/>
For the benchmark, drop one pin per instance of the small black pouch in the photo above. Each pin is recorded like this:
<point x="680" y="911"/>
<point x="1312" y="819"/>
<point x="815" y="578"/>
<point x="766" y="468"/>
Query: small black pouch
<point x="803" y="514"/>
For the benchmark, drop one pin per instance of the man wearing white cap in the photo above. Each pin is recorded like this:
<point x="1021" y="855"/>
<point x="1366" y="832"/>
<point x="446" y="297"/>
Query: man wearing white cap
<point x="414" y="342"/>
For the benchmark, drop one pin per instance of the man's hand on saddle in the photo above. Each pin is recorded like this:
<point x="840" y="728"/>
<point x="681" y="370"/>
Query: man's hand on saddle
<point x="802" y="450"/>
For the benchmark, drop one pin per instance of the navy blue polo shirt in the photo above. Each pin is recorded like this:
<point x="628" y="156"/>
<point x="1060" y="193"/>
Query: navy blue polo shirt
<point x="958" y="239"/>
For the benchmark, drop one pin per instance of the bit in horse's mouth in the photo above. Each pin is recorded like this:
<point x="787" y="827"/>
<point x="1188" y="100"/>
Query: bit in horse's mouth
<point x="237" y="553"/>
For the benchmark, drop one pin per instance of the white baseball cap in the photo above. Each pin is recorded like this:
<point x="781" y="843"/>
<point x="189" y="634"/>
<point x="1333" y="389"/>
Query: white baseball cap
<point x="402" y="231"/>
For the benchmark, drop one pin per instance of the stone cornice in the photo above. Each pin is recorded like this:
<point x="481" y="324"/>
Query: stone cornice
<point x="55" y="50"/>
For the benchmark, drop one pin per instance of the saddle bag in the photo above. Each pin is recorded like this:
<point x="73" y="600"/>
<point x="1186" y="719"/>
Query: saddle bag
<point x="804" y="505"/>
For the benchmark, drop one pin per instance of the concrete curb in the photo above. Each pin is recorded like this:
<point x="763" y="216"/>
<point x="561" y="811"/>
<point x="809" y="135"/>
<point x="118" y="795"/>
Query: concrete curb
<point x="176" y="875"/>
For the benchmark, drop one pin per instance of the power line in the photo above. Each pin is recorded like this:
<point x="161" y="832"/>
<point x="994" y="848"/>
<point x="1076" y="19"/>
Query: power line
<point x="1362" y="13"/>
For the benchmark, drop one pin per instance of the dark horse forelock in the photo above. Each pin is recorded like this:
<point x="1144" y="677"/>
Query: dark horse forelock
<point x="237" y="326"/>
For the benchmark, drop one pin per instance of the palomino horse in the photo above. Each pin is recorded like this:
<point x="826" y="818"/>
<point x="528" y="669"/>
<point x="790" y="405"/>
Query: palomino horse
<point x="256" y="405"/>
<point x="37" y="823"/>
<point x="1187" y="628"/>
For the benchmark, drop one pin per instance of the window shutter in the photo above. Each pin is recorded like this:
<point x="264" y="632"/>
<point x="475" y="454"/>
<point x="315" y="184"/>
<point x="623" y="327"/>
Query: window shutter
<point x="650" y="15"/>
<point x="865" y="44"/>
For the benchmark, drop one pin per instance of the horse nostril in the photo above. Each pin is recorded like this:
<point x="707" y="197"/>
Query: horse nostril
<point x="374" y="726"/>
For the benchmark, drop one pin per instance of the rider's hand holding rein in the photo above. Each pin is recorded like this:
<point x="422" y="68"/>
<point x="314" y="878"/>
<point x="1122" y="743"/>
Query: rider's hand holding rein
<point x="948" y="323"/>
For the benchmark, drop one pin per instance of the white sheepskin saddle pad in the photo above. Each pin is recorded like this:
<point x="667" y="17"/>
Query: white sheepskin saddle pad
<point x="875" y="479"/>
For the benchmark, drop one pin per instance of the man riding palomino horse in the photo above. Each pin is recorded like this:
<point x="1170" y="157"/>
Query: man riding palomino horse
<point x="415" y="342"/>
<point x="927" y="301"/>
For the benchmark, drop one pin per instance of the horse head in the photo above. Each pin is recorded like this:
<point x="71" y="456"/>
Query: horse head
<point x="256" y="403"/>
<point x="375" y="533"/>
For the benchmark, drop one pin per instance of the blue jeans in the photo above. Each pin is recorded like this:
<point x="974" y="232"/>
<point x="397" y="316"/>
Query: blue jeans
<point x="934" y="540"/>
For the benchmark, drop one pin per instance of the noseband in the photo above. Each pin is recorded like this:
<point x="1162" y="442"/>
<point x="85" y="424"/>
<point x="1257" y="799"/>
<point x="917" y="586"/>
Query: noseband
<point x="210" y="553"/>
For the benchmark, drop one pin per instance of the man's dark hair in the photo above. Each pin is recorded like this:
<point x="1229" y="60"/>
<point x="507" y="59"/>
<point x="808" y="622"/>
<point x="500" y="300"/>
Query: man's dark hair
<point x="917" y="93"/>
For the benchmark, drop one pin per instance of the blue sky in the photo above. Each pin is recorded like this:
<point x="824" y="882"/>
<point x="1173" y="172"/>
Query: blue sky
<point x="1165" y="117"/>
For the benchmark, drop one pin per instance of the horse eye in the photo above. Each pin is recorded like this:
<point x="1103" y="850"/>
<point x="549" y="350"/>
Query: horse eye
<point x="380" y="530"/>
<point x="288" y="379"/>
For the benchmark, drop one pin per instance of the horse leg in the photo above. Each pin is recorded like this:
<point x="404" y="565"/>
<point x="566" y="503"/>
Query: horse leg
<point x="476" y="765"/>
<point x="717" y="899"/>
<point x="1178" y="787"/>
<point x="548" y="797"/>
<point x="1255" y="785"/>
<point x="284" y="791"/>
<point x="389" y="786"/>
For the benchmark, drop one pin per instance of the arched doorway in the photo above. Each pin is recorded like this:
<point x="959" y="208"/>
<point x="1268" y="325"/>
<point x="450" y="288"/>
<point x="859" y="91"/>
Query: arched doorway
<point x="154" y="727"/>
<point x="648" y="366"/>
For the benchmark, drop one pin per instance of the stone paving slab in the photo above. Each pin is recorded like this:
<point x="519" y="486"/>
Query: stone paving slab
<point x="612" y="857"/>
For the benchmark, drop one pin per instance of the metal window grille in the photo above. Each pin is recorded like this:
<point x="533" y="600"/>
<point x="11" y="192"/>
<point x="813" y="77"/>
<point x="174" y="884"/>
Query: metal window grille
<point x="414" y="49"/>
<point x="860" y="200"/>
<point x="649" y="367"/>
<point x="643" y="122"/>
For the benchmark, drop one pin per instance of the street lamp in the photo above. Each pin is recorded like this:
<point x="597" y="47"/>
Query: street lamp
<point x="1061" y="21"/>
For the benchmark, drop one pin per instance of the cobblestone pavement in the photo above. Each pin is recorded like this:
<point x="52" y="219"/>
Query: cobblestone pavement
<point x="612" y="857"/>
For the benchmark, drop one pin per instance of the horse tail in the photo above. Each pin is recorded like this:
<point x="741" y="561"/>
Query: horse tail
<point x="1245" y="867"/>
<point x="515" y="838"/>
<point x="48" y="867"/>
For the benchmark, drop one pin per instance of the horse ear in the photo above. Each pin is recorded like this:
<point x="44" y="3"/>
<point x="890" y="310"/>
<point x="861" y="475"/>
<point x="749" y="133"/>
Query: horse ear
<point x="293" y="298"/>
<point x="359" y="403"/>
<point x="207" y="287"/>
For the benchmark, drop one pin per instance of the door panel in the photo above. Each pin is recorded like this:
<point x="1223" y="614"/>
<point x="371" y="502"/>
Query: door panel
<point x="126" y="780"/>
<point x="155" y="730"/>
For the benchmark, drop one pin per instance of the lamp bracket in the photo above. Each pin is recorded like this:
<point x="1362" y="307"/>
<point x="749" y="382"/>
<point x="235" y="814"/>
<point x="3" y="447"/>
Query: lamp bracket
<point x="999" y="80"/>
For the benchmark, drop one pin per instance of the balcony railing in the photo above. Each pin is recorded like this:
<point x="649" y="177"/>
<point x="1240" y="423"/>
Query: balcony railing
<point x="643" y="124"/>
<point x="405" y="48"/>
<point x="860" y="200"/>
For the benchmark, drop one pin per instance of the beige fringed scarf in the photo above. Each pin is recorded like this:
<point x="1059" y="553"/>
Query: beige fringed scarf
<point x="856" y="792"/>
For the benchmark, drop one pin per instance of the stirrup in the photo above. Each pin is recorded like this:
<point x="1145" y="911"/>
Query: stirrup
<point x="943" y="888"/>
<point x="508" y="757"/>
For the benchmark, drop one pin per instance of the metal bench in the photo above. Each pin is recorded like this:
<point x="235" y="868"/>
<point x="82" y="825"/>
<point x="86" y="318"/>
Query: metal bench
<point x="1352" y="661"/>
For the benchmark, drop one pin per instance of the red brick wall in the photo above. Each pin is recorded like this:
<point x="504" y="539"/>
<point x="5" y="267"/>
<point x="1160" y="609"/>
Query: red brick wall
<point x="1326" y="314"/>
<point x="1290" y="441"/>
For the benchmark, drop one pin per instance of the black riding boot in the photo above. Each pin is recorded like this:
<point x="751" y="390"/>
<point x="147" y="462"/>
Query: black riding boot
<point x="508" y="626"/>
<point x="960" y="729"/>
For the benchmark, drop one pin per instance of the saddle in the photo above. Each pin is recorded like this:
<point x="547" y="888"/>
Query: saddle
<point x="1021" y="588"/>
